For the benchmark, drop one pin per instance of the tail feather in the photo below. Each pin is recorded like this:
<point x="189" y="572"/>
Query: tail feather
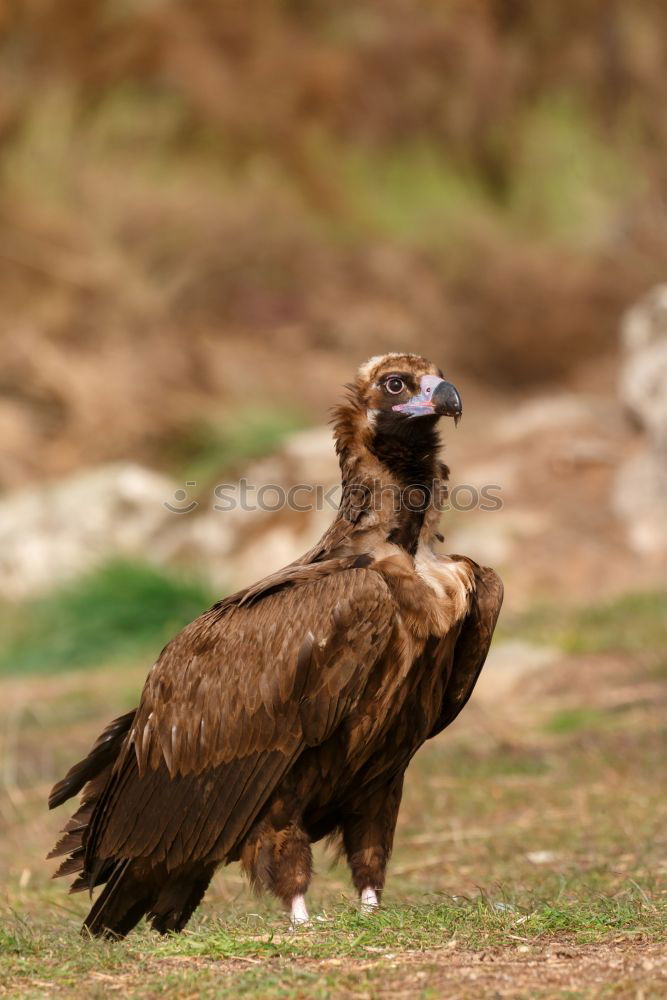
<point x="71" y="865"/>
<point x="102" y="755"/>
<point x="84" y="882"/>
<point x="68" y="843"/>
<point x="179" y="897"/>
<point x="134" y="888"/>
<point x="92" y="775"/>
<point x="121" y="904"/>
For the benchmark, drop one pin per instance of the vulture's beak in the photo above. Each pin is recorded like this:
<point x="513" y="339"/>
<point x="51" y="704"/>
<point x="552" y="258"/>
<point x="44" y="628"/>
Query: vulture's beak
<point x="435" y="396"/>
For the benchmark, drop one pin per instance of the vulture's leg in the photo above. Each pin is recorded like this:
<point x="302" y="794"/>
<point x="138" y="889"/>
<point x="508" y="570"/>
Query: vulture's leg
<point x="279" y="858"/>
<point x="368" y="836"/>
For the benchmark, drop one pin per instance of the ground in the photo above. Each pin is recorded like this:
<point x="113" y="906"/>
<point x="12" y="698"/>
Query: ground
<point x="530" y="857"/>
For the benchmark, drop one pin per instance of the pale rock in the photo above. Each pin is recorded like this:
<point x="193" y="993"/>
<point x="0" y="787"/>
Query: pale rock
<point x="508" y="663"/>
<point x="639" y="499"/>
<point x="492" y="537"/>
<point x="542" y="857"/>
<point x="234" y="547"/>
<point x="639" y="495"/>
<point x="500" y="473"/>
<point x="544" y="413"/>
<point x="645" y="323"/>
<point x="55" y="532"/>
<point x="643" y="382"/>
<point x="311" y="456"/>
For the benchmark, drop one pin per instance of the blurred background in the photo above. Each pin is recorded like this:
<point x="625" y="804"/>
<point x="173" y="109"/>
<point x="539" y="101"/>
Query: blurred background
<point x="210" y="214"/>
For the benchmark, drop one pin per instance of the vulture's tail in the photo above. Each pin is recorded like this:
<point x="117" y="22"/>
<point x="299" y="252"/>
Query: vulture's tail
<point x="132" y="888"/>
<point x="90" y="775"/>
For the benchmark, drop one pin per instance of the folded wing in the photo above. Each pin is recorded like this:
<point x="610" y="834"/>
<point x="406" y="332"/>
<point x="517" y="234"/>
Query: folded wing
<point x="472" y="645"/>
<point x="227" y="709"/>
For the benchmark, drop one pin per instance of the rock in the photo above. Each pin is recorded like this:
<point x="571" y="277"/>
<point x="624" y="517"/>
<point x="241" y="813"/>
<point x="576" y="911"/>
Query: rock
<point x="53" y="533"/>
<point x="643" y="383"/>
<point x="543" y="413"/>
<point x="509" y="663"/>
<point x="542" y="857"/>
<point x="248" y="539"/>
<point x="492" y="537"/>
<point x="645" y="323"/>
<point x="639" y="499"/>
<point x="499" y="474"/>
<point x="584" y="452"/>
<point x="639" y="495"/>
<point x="311" y="457"/>
<point x="305" y="457"/>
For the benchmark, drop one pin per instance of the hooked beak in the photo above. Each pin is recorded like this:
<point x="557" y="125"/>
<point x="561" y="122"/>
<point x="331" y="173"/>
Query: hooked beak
<point x="436" y="397"/>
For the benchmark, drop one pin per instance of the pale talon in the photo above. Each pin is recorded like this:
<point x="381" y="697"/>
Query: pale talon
<point x="369" y="900"/>
<point x="299" y="913"/>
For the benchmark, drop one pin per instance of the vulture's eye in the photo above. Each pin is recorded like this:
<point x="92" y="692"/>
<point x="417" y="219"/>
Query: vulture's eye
<point x="395" y="385"/>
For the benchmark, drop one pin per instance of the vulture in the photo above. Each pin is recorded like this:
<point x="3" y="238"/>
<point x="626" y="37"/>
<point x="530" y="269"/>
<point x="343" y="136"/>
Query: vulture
<point x="290" y="710"/>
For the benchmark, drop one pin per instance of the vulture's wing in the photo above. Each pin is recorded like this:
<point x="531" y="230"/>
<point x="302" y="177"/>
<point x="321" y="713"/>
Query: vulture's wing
<point x="472" y="645"/>
<point x="226" y="710"/>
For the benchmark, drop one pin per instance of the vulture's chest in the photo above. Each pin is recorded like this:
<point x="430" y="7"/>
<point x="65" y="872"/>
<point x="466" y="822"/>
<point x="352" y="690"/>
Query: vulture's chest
<point x="449" y="580"/>
<point x="432" y="593"/>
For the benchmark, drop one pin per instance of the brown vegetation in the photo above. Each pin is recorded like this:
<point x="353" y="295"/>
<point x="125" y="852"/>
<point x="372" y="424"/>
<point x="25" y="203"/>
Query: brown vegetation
<point x="189" y="185"/>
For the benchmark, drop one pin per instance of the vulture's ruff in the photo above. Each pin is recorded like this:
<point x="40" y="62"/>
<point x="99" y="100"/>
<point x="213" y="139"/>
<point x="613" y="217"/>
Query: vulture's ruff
<point x="290" y="711"/>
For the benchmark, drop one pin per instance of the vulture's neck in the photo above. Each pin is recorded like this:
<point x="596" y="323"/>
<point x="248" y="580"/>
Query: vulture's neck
<point x="391" y="475"/>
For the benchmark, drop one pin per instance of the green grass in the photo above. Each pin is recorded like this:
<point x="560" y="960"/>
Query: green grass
<point x="117" y="611"/>
<point x="210" y="449"/>
<point x="572" y="720"/>
<point x="564" y="185"/>
<point x="413" y="194"/>
<point x="476" y="923"/>
<point x="632" y="623"/>
<point x="259" y="957"/>
<point x="568" y="179"/>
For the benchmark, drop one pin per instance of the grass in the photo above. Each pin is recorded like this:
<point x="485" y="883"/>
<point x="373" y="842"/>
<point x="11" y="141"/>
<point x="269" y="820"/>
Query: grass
<point x="342" y="934"/>
<point x="565" y="186"/>
<point x="210" y="449"/>
<point x="413" y="194"/>
<point x="475" y="923"/>
<point x="118" y="611"/>
<point x="253" y="956"/>
<point x="631" y="623"/>
<point x="568" y="179"/>
<point x="570" y="720"/>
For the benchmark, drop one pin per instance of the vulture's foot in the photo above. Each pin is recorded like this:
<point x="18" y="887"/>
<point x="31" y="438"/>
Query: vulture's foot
<point x="299" y="913"/>
<point x="368" y="901"/>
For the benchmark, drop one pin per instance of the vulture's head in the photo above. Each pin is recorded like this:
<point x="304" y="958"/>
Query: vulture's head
<point x="399" y="387"/>
<point x="392" y="411"/>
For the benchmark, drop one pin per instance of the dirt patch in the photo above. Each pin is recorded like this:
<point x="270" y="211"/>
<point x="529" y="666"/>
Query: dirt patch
<point x="622" y="969"/>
